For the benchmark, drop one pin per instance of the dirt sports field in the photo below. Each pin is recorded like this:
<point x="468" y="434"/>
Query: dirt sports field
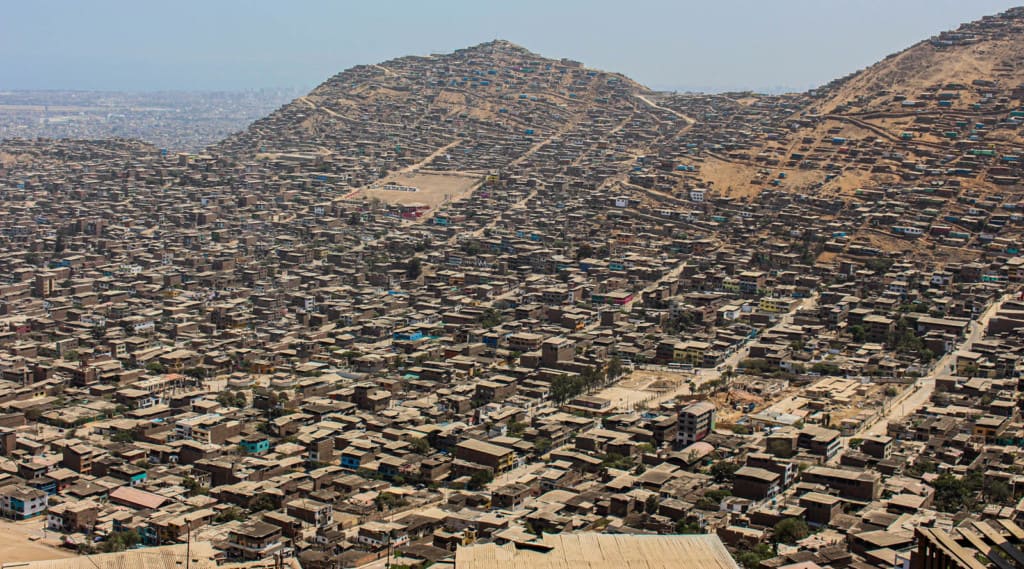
<point x="641" y="386"/>
<point x="16" y="545"/>
<point x="432" y="189"/>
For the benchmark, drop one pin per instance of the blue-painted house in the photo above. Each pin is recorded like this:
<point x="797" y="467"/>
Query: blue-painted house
<point x="256" y="444"/>
<point x="20" y="502"/>
<point x="407" y="335"/>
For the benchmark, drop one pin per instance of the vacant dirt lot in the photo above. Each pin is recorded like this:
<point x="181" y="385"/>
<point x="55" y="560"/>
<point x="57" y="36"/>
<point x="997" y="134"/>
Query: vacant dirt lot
<point x="15" y="545"/>
<point x="432" y="189"/>
<point x="642" y="385"/>
<point x="734" y="179"/>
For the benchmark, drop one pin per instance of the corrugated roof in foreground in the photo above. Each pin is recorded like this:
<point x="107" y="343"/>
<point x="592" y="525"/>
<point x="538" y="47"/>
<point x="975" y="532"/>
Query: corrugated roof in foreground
<point x="601" y="551"/>
<point x="165" y="557"/>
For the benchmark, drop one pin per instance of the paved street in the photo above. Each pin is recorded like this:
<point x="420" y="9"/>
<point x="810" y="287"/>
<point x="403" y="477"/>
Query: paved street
<point x="920" y="392"/>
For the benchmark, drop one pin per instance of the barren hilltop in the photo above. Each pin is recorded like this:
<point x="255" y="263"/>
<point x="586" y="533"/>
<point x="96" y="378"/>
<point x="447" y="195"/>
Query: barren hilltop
<point x="971" y="60"/>
<point x="480" y="108"/>
<point x="496" y="93"/>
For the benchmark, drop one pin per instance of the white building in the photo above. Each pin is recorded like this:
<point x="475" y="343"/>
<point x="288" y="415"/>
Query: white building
<point x="20" y="502"/>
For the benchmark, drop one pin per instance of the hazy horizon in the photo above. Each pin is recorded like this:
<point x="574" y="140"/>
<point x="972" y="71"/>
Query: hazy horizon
<point x="231" y="45"/>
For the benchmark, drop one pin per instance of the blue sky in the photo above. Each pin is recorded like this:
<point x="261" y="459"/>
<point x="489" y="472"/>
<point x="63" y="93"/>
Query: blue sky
<point x="246" y="44"/>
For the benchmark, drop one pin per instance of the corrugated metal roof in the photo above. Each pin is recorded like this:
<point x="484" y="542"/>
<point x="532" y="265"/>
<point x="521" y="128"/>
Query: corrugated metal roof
<point x="165" y="557"/>
<point x="601" y="551"/>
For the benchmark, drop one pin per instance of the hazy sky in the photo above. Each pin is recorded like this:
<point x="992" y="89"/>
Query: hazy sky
<point x="242" y="44"/>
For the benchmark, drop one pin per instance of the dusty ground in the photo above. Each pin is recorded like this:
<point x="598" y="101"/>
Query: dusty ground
<point x="916" y="248"/>
<point x="725" y="400"/>
<point x="923" y="65"/>
<point x="434" y="189"/>
<point x="735" y="179"/>
<point x="642" y="385"/>
<point x="16" y="546"/>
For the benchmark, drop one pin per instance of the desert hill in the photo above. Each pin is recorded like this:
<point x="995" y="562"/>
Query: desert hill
<point x="941" y="117"/>
<point x="927" y="139"/>
<point x="488" y="107"/>
<point x="443" y="122"/>
<point x="943" y="112"/>
<point x="493" y="96"/>
<point x="967" y="62"/>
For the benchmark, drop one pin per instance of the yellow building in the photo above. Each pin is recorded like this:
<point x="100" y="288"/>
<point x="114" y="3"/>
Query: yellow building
<point x="691" y="352"/>
<point x="775" y="305"/>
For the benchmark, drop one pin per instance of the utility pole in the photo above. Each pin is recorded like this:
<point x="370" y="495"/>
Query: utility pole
<point x="188" y="542"/>
<point x="387" y="562"/>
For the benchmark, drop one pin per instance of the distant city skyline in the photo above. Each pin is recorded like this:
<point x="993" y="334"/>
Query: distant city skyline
<point x="667" y="45"/>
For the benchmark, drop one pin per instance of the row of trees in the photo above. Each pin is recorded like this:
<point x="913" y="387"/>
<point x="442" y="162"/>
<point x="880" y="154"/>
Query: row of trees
<point x="565" y="387"/>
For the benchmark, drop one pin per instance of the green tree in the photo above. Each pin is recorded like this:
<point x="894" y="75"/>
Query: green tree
<point x="229" y="515"/>
<point x="59" y="246"/>
<point x="617" y="461"/>
<point x="756" y="364"/>
<point x="724" y="471"/>
<point x="414" y="268"/>
<point x="858" y="333"/>
<point x="999" y="492"/>
<point x="195" y="372"/>
<point x="490" y="318"/>
<point x="385" y="501"/>
<point x="921" y="466"/>
<point x="740" y="429"/>
<point x="752" y="558"/>
<point x="420" y="446"/>
<point x="565" y="387"/>
<point x="685" y="526"/>
<point x="541" y="445"/>
<point x="194" y="487"/>
<point x="614" y="368"/>
<point x="712" y="499"/>
<point x="591" y="378"/>
<point x="879" y="264"/>
<point x="954" y="494"/>
<point x="826" y="368"/>
<point x="156" y="367"/>
<point x="480" y="479"/>
<point x="511" y="358"/>
<point x="120" y="541"/>
<point x="226" y="399"/>
<point x="516" y="429"/>
<point x="651" y="504"/>
<point x="262" y="503"/>
<point x="790" y="531"/>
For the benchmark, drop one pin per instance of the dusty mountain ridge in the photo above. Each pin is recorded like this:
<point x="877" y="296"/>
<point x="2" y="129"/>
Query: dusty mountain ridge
<point x="939" y="121"/>
<point x="489" y="105"/>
